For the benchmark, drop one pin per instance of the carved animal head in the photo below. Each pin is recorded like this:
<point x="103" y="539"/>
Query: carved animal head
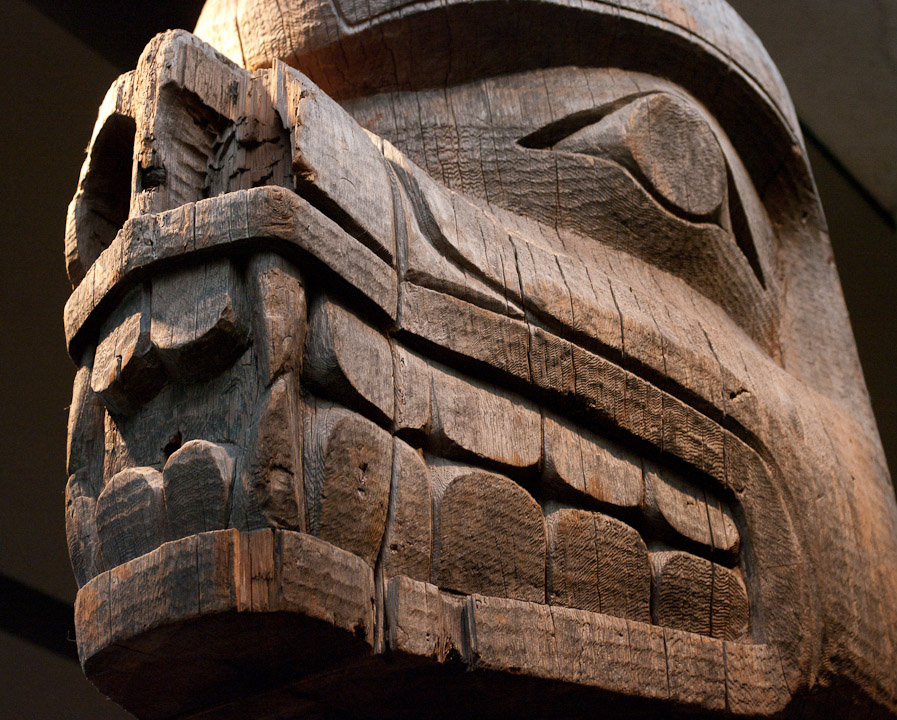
<point x="496" y="336"/>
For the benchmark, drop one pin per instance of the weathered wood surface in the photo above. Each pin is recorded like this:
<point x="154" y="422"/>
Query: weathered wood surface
<point x="348" y="466"/>
<point x="491" y="538"/>
<point x="130" y="515"/>
<point x="409" y="528"/>
<point x="532" y="363"/>
<point x="287" y="582"/>
<point x="349" y="360"/>
<point x="197" y="479"/>
<point x="301" y="588"/>
<point x="597" y="563"/>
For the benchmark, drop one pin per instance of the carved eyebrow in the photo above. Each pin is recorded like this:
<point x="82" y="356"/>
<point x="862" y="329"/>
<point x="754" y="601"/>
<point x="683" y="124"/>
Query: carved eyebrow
<point x="549" y="135"/>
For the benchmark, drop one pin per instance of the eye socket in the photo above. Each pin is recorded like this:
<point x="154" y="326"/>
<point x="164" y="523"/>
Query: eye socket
<point x="669" y="148"/>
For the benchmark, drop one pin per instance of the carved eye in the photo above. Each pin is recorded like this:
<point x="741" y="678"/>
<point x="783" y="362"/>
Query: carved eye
<point x="660" y="139"/>
<point x="667" y="145"/>
<point x="669" y="148"/>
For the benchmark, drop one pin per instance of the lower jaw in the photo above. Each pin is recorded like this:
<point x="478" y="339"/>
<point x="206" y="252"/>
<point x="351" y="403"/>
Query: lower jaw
<point x="275" y="623"/>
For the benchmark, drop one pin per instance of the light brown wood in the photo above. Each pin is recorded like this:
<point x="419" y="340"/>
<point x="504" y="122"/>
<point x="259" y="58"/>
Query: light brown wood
<point x="491" y="539"/>
<point x="597" y="563"/>
<point x="591" y="465"/>
<point x="602" y="440"/>
<point x="471" y="419"/>
<point x="349" y="360"/>
<point x="698" y="596"/>
<point x="348" y="464"/>
<point x="409" y="533"/>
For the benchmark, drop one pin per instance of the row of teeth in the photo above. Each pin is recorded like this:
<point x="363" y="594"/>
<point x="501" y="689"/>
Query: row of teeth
<point x="436" y="519"/>
<point x="191" y="324"/>
<point x="457" y="526"/>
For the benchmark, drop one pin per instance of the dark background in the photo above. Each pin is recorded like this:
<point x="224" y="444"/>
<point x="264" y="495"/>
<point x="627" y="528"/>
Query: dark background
<point x="58" y="59"/>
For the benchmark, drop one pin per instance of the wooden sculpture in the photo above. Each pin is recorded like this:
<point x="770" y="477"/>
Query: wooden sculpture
<point x="468" y="358"/>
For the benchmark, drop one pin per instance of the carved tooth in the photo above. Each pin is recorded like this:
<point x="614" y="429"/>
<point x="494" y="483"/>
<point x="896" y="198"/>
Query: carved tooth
<point x="270" y="491"/>
<point x="279" y="315"/>
<point x="131" y="515"/>
<point x="590" y="464"/>
<point x="197" y="480"/>
<point x="597" y="563"/>
<point x="486" y="422"/>
<point x="693" y="512"/>
<point x="81" y="530"/>
<point x="406" y="544"/>
<point x="412" y="391"/>
<point x="199" y="319"/>
<point x="722" y="525"/>
<point x="696" y="595"/>
<point x="348" y="462"/>
<point x="127" y="370"/>
<point x="672" y="500"/>
<point x="490" y="537"/>
<point x="683" y="587"/>
<point x="348" y="359"/>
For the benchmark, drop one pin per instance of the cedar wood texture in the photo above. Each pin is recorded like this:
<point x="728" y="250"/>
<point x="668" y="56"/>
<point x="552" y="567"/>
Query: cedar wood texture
<point x="468" y="357"/>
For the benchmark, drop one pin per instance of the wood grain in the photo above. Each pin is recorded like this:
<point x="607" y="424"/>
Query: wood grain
<point x="197" y="481"/>
<point x="491" y="538"/>
<point x="597" y="563"/>
<point x="348" y="360"/>
<point x="199" y="320"/>
<point x="130" y="515"/>
<point x="348" y="465"/>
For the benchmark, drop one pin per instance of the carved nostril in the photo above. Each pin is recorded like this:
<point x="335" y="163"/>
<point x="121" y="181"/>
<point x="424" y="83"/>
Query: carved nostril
<point x="151" y="177"/>
<point x="103" y="202"/>
<point x="173" y="445"/>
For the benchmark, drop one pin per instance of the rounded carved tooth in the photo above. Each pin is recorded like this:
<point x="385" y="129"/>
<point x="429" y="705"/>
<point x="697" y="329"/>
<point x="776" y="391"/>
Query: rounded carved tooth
<point x="348" y="359"/>
<point x="126" y="370"/>
<point x="348" y="463"/>
<point x="199" y="320"/>
<point x="131" y="515"/>
<point x="473" y="418"/>
<point x="197" y="480"/>
<point x="578" y="460"/>
<point x="696" y="595"/>
<point x="597" y="563"/>
<point x="673" y="502"/>
<point x="81" y="531"/>
<point x="412" y="391"/>
<point x="491" y="538"/>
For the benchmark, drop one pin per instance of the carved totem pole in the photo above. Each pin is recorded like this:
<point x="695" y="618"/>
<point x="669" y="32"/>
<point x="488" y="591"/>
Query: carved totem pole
<point x="468" y="357"/>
